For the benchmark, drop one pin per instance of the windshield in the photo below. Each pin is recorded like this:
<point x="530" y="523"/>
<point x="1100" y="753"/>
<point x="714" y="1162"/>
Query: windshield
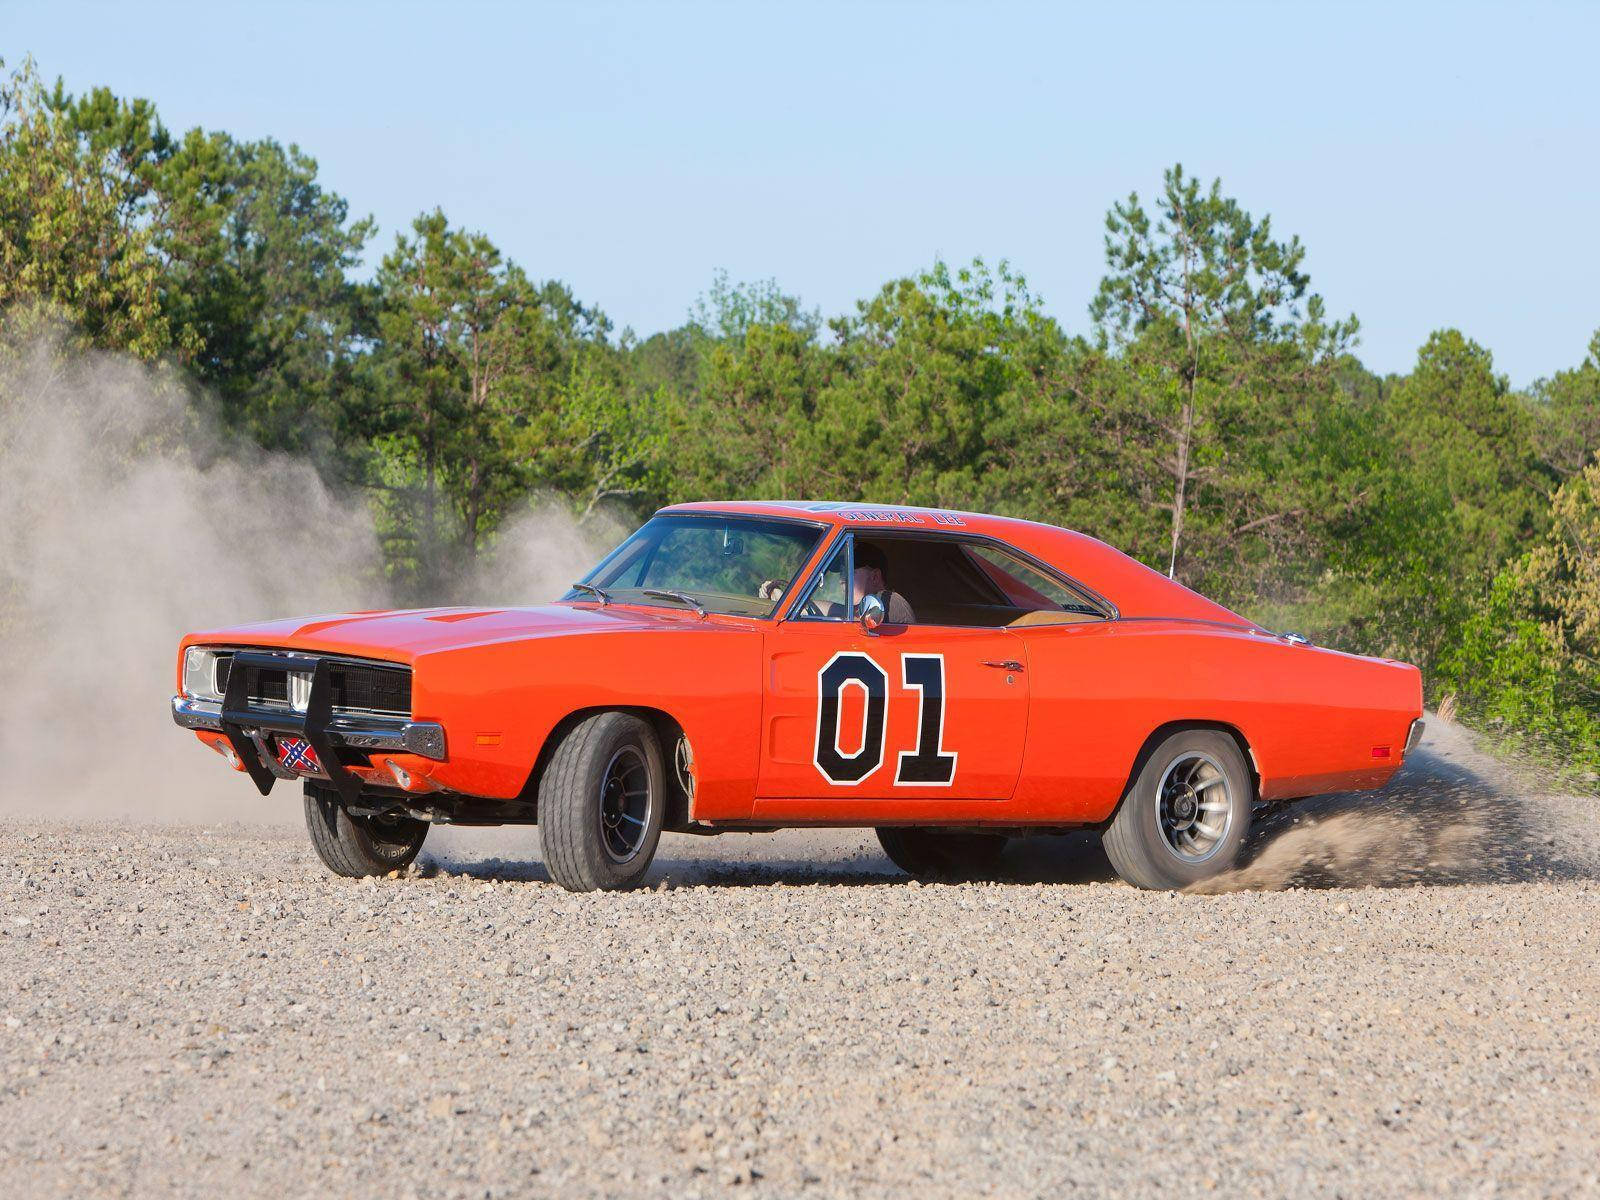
<point x="741" y="566"/>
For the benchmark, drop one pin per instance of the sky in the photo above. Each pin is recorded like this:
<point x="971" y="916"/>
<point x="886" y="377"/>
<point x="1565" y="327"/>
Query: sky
<point x="1440" y="162"/>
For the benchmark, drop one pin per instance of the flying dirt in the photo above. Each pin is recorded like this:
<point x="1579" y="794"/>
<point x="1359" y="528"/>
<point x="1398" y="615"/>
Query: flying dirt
<point x="1457" y="815"/>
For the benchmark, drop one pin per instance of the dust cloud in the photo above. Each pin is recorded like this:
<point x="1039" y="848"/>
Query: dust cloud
<point x="537" y="555"/>
<point x="128" y="519"/>
<point x="1454" y="815"/>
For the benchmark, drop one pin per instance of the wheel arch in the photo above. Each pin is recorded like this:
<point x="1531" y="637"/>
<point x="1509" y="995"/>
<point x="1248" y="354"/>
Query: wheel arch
<point x="668" y="730"/>
<point x="1165" y="730"/>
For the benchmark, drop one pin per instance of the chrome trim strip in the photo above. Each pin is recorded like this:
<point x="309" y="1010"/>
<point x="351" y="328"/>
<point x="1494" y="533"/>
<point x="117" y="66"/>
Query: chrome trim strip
<point x="423" y="738"/>
<point x="1414" y="736"/>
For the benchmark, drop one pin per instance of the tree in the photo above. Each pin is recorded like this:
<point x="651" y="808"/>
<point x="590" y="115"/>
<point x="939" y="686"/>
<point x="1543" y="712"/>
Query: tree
<point x="1461" y="425"/>
<point x="741" y="431"/>
<point x="728" y="311"/>
<point x="1203" y="297"/>
<point x="1526" y="660"/>
<point x="922" y="377"/>
<point x="469" y="366"/>
<point x="1568" y="408"/>
<point x="608" y="449"/>
<point x="1060" y="446"/>
<point x="264" y="280"/>
<point x="74" y="246"/>
<point x="228" y="256"/>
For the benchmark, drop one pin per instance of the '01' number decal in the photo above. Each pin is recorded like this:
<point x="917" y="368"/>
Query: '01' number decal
<point x="929" y="764"/>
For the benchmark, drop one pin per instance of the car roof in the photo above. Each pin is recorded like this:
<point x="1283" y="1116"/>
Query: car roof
<point x="1135" y="589"/>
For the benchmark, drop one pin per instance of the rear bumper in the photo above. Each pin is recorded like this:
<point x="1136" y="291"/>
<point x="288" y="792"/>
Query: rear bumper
<point x="247" y="728"/>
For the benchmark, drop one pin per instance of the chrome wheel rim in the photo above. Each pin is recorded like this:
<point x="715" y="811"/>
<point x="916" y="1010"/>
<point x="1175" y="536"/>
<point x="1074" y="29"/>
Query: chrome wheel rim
<point x="1196" y="806"/>
<point x="625" y="800"/>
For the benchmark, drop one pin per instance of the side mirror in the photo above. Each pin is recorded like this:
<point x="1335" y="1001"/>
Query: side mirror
<point x="872" y="613"/>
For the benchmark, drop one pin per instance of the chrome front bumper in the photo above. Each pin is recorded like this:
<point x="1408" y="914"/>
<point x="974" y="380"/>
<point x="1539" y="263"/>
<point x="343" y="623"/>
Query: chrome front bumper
<point x="423" y="738"/>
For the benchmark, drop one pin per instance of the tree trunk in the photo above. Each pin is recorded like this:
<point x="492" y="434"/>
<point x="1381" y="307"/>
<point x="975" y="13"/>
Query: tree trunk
<point x="1180" y="491"/>
<point x="474" y="511"/>
<point x="429" y="499"/>
<point x="1185" y="439"/>
<point x="1186" y="419"/>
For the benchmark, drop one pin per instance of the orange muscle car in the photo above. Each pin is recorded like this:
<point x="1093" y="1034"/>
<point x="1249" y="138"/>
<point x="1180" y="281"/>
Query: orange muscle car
<point x="949" y="678"/>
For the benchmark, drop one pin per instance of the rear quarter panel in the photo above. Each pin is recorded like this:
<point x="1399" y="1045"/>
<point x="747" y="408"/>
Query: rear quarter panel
<point x="500" y="701"/>
<point x="1312" y="718"/>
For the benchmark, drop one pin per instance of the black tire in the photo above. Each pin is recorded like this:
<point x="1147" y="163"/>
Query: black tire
<point x="932" y="854"/>
<point x="1148" y="842"/>
<point x="359" y="846"/>
<point x="596" y="836"/>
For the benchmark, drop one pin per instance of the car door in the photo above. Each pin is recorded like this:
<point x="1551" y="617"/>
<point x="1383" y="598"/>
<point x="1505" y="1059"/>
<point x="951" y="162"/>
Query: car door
<point x="911" y="721"/>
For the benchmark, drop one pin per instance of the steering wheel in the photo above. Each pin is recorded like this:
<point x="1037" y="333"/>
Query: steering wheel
<point x="812" y="609"/>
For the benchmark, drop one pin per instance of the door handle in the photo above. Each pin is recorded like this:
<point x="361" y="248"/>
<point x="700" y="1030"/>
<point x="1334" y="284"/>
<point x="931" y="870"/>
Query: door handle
<point x="1003" y="664"/>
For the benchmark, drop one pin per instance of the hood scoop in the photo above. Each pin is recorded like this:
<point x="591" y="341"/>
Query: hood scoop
<point x="473" y="615"/>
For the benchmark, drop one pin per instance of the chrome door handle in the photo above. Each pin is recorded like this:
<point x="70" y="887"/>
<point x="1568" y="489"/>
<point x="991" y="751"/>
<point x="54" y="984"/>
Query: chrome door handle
<point x="1003" y="664"/>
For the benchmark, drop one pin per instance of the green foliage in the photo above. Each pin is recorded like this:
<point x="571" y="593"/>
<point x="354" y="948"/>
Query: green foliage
<point x="609" y="448"/>
<point x="1526" y="661"/>
<point x="922" y="379"/>
<point x="743" y="427"/>
<point x="469" y="361"/>
<point x="227" y="256"/>
<point x="262" y="276"/>
<point x="730" y="310"/>
<point x="1213" y="319"/>
<point x="74" y="246"/>
<point x="1567" y="410"/>
<point x="1461" y="425"/>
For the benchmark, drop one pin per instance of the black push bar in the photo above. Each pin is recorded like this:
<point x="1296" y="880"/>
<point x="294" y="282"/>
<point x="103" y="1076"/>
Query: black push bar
<point x="312" y="724"/>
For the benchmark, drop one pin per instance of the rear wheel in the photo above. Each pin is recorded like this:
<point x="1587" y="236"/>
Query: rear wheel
<point x="933" y="854"/>
<point x="1186" y="814"/>
<point x="356" y="846"/>
<point x="601" y="803"/>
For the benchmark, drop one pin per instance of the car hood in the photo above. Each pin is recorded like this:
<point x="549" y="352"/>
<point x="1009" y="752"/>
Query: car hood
<point x="401" y="635"/>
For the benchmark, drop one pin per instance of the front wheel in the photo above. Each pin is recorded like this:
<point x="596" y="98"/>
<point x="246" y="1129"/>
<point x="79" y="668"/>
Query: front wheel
<point x="355" y="846"/>
<point x="1186" y="814"/>
<point x="601" y="802"/>
<point x="932" y="854"/>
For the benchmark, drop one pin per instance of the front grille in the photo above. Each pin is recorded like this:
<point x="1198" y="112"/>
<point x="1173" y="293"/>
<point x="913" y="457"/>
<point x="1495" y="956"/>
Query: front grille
<point x="371" y="689"/>
<point x="353" y="687"/>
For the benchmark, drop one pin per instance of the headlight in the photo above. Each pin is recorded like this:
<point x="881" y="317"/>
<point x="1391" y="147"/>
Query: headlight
<point x="200" y="674"/>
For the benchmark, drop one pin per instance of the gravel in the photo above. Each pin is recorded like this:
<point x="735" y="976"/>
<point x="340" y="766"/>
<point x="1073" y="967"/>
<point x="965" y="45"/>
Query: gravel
<point x="192" y="1010"/>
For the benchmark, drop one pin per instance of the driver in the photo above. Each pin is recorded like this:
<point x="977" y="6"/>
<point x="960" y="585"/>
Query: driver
<point x="870" y="580"/>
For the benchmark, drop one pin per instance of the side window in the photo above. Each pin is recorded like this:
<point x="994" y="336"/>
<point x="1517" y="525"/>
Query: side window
<point x="962" y="582"/>
<point x="828" y="598"/>
<point x="1025" y="588"/>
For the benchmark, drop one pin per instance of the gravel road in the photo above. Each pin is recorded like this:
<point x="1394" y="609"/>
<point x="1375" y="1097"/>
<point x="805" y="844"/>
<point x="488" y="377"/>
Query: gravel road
<point x="1397" y="996"/>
